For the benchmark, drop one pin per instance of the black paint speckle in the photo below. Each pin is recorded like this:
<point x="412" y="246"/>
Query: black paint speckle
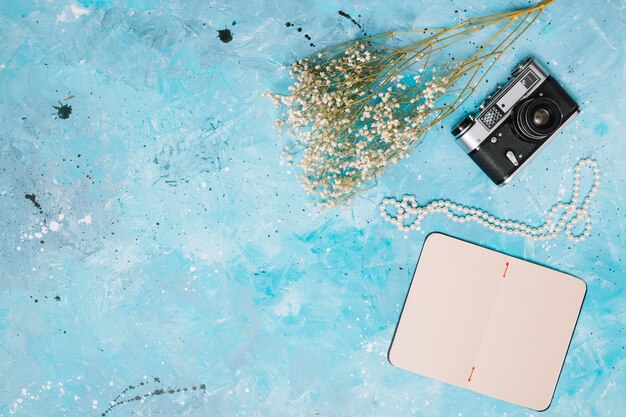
<point x="119" y="400"/>
<point x="353" y="20"/>
<point x="33" y="199"/>
<point x="225" y="35"/>
<point x="63" y="111"/>
<point x="306" y="35"/>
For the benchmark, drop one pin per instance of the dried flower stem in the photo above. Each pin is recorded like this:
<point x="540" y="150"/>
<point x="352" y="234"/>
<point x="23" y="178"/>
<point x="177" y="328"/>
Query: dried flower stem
<point x="357" y="106"/>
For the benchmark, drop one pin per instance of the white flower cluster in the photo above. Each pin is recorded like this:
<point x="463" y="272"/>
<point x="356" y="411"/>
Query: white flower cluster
<point x="354" y="111"/>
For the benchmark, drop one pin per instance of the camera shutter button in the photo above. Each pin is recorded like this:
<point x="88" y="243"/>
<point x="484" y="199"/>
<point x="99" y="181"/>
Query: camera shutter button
<point x="511" y="156"/>
<point x="521" y="66"/>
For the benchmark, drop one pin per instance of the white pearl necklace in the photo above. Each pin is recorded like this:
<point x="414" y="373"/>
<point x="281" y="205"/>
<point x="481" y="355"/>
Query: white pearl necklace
<point x="408" y="214"/>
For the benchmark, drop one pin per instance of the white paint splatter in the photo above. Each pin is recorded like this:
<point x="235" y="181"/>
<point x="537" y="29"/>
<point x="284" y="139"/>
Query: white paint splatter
<point x="55" y="226"/>
<point x="72" y="13"/>
<point x="87" y="219"/>
<point x="290" y="304"/>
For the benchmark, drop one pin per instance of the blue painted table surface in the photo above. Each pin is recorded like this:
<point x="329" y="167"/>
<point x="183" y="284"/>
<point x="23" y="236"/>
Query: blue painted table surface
<point x="182" y="261"/>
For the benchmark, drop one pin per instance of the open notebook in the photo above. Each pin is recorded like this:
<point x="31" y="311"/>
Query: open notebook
<point x="488" y="322"/>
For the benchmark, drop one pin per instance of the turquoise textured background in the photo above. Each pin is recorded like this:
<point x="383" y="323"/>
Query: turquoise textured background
<point x="182" y="260"/>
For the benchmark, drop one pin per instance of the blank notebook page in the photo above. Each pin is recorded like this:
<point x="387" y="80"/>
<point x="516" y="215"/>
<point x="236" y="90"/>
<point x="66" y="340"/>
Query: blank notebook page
<point x="488" y="322"/>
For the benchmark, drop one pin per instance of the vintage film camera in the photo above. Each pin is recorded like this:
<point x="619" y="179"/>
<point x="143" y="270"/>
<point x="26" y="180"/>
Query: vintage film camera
<point x="516" y="122"/>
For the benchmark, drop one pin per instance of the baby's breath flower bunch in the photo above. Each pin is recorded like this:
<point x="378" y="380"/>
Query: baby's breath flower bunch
<point x="361" y="105"/>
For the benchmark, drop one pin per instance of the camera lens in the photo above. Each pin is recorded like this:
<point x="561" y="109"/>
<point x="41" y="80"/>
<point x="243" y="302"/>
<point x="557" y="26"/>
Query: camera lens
<point x="541" y="117"/>
<point x="538" y="118"/>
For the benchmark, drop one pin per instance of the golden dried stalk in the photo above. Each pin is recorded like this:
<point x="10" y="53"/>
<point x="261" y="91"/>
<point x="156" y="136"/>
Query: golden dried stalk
<point x="360" y="105"/>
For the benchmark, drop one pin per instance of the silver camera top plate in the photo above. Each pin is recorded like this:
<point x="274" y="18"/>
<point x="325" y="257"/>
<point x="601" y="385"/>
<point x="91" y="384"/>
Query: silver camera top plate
<point x="528" y="76"/>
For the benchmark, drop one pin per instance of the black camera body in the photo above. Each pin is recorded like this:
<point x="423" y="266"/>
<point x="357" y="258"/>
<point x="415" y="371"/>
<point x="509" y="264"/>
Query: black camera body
<point x="516" y="122"/>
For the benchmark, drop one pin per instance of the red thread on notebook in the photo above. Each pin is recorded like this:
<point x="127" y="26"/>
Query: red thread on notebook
<point x="471" y="373"/>
<point x="505" y="269"/>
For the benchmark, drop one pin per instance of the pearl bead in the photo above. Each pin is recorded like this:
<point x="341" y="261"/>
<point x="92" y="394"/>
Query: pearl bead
<point x="570" y="213"/>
